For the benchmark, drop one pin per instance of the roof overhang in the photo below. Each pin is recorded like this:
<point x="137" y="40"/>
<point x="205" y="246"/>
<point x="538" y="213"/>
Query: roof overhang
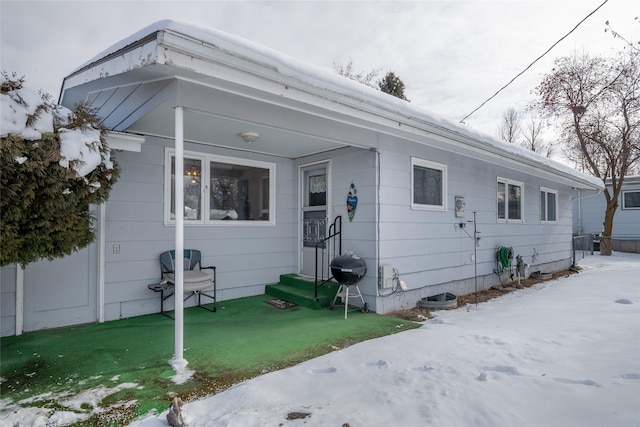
<point x="227" y="86"/>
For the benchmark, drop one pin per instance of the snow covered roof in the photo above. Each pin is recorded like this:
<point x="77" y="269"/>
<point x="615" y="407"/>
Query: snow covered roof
<point x="331" y="91"/>
<point x="628" y="180"/>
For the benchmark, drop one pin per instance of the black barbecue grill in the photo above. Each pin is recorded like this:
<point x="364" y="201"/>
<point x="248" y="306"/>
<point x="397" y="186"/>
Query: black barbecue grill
<point x="348" y="270"/>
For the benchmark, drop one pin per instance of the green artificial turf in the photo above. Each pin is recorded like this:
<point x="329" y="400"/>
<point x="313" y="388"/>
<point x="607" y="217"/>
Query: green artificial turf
<point x="244" y="338"/>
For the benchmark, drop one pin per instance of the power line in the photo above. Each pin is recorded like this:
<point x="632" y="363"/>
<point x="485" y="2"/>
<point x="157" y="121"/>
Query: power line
<point x="536" y="60"/>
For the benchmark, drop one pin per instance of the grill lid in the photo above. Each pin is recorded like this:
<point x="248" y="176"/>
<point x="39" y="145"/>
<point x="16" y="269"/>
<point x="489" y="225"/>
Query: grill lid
<point x="348" y="269"/>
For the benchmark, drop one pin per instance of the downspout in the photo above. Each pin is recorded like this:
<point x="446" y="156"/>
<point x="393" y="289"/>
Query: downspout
<point x="579" y="229"/>
<point x="19" y="299"/>
<point x="377" y="172"/>
<point x="101" y="260"/>
<point x="178" y="363"/>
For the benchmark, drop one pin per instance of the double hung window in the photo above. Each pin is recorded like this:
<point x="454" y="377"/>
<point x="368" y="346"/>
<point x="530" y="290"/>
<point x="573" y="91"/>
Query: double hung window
<point x="510" y="200"/>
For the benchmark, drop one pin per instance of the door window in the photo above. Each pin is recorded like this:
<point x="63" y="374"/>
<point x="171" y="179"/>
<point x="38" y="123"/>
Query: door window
<point x="314" y="215"/>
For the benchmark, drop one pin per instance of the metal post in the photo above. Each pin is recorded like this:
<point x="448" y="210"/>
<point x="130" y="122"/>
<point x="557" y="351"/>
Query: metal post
<point x="178" y="363"/>
<point x="475" y="257"/>
<point x="19" y="299"/>
<point x="346" y="301"/>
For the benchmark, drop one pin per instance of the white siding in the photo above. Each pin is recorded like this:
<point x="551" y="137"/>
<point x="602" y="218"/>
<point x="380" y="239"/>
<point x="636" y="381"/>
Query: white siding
<point x="626" y="222"/>
<point x="430" y="250"/>
<point x="432" y="253"/>
<point x="357" y="166"/>
<point x="246" y="256"/>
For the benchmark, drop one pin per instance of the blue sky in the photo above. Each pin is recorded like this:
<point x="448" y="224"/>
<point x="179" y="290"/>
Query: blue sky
<point x="451" y="55"/>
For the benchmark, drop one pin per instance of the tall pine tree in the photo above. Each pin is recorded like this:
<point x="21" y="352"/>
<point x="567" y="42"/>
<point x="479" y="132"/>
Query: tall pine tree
<point x="392" y="85"/>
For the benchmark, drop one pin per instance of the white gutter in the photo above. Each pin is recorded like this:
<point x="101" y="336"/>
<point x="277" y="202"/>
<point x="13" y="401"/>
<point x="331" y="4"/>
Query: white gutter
<point x="178" y="363"/>
<point x="125" y="141"/>
<point x="586" y="196"/>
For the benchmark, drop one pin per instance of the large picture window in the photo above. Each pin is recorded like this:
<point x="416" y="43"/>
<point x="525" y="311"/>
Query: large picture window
<point x="631" y="199"/>
<point x="509" y="200"/>
<point x="221" y="189"/>
<point x="429" y="185"/>
<point x="548" y="205"/>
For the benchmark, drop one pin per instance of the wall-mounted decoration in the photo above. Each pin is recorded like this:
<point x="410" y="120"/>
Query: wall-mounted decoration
<point x="352" y="202"/>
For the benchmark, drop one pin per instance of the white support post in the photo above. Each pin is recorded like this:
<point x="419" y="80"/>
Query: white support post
<point x="178" y="363"/>
<point x="101" y="259"/>
<point x="19" y="299"/>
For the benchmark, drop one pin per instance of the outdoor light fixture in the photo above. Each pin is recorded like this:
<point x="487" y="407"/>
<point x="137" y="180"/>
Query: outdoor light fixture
<point x="249" y="137"/>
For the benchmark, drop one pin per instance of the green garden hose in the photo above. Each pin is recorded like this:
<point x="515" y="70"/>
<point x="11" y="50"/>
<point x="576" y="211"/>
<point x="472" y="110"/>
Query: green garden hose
<point x="505" y="255"/>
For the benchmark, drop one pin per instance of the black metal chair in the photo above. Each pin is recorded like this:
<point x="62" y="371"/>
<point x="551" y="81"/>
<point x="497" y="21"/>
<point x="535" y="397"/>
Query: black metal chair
<point x="195" y="281"/>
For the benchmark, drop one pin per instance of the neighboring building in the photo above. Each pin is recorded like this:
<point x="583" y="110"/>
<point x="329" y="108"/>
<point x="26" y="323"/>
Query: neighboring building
<point x="589" y="211"/>
<point x="272" y="148"/>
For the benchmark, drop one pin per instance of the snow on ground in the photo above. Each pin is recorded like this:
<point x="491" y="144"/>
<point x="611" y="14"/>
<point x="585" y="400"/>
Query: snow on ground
<point x="71" y="408"/>
<point x="562" y="353"/>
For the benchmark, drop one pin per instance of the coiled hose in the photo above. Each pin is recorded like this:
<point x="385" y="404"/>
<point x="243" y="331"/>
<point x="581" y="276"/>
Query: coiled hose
<point x="505" y="255"/>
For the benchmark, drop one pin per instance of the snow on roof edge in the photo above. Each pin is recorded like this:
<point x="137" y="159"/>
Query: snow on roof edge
<point x="138" y="35"/>
<point x="327" y="80"/>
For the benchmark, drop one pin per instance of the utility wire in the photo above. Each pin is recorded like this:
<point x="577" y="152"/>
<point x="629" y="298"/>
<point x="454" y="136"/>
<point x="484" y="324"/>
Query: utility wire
<point x="536" y="60"/>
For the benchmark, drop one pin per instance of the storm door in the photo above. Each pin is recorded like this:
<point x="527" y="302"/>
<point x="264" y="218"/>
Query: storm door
<point x="315" y="197"/>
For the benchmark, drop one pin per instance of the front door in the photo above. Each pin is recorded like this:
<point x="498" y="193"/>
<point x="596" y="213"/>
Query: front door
<point x="315" y="199"/>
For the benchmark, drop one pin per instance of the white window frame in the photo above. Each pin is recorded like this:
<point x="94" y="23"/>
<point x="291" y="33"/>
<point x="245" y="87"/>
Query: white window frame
<point x="206" y="160"/>
<point x="507" y="183"/>
<point x="435" y="166"/>
<point x="546" y="192"/>
<point x="623" y="204"/>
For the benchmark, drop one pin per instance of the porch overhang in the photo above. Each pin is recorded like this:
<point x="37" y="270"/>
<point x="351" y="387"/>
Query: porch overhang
<point x="228" y="86"/>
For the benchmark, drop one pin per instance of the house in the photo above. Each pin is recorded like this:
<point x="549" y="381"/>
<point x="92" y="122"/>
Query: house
<point x="589" y="211"/>
<point x="274" y="151"/>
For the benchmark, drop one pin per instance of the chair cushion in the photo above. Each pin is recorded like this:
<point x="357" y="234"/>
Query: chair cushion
<point x="194" y="280"/>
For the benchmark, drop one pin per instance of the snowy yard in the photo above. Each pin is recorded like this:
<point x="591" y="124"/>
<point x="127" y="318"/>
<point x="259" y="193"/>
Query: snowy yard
<point x="562" y="353"/>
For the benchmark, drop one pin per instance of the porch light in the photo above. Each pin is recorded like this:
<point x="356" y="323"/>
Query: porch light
<point x="249" y="137"/>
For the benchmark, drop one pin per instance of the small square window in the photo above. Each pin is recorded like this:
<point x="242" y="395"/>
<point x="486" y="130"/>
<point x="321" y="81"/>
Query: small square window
<point x="428" y="184"/>
<point x="631" y="199"/>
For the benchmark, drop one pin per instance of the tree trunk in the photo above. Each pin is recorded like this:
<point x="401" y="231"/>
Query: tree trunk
<point x="605" y="240"/>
